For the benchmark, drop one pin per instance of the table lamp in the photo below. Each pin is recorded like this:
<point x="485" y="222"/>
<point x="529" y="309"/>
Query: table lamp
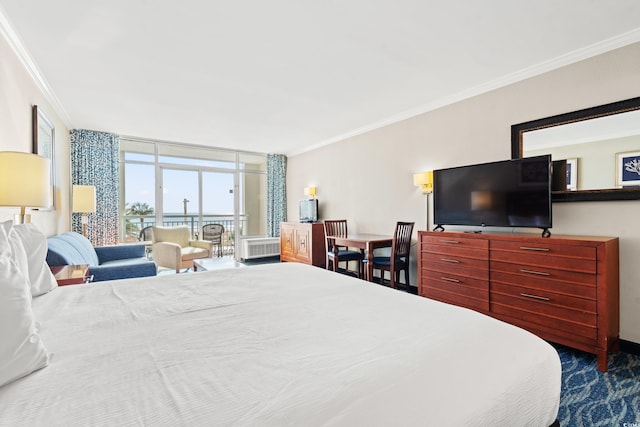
<point x="84" y="201"/>
<point x="25" y="181"/>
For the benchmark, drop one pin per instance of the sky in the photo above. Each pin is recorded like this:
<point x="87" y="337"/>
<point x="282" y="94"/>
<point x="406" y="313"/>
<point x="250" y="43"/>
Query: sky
<point x="178" y="185"/>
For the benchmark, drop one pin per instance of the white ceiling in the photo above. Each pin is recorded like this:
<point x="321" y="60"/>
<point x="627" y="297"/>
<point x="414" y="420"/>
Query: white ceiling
<point x="288" y="75"/>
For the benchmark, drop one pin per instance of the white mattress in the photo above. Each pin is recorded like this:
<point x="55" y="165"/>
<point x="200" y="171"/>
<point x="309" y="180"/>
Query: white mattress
<point x="277" y="345"/>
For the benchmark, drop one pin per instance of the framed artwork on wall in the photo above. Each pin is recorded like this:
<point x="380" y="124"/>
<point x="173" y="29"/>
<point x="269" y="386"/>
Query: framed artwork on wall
<point x="572" y="174"/>
<point x="628" y="169"/>
<point x="43" y="144"/>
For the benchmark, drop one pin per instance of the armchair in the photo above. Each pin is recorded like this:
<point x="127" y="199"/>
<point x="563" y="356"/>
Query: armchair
<point x="174" y="248"/>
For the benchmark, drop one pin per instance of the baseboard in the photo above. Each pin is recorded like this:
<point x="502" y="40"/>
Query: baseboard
<point x="630" y="347"/>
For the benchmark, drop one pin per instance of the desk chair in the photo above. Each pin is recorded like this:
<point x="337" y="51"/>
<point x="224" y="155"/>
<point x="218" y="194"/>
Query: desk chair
<point x="400" y="249"/>
<point x="337" y="254"/>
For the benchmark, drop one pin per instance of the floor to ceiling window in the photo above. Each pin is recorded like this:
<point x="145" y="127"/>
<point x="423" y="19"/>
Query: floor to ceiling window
<point x="175" y="184"/>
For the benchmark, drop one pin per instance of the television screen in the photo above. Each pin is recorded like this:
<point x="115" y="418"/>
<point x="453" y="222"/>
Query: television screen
<point x="510" y="193"/>
<point x="309" y="210"/>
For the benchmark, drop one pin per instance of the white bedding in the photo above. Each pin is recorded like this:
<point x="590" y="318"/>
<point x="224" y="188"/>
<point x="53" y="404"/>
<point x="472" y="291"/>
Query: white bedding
<point x="277" y="345"/>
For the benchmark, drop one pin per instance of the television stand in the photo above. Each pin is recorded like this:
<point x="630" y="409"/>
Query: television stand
<point x="564" y="289"/>
<point x="438" y="228"/>
<point x="546" y="232"/>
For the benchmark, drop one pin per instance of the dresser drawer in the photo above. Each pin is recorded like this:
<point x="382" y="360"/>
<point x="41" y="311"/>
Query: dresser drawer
<point x="537" y="283"/>
<point x="454" y="281"/>
<point x="450" y="251"/>
<point x="554" y="330"/>
<point x="544" y="260"/>
<point x="586" y="252"/>
<point x="545" y="305"/>
<point x="469" y="267"/>
<point x="457" y="242"/>
<point x="470" y="300"/>
<point x="544" y="272"/>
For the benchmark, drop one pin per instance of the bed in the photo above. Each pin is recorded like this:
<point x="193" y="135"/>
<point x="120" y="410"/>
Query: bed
<point x="276" y="345"/>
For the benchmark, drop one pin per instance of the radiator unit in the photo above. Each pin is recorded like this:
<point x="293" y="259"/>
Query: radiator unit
<point x="259" y="247"/>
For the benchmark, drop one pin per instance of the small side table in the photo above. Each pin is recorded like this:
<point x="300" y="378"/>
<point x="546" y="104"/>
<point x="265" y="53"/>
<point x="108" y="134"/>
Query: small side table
<point x="71" y="274"/>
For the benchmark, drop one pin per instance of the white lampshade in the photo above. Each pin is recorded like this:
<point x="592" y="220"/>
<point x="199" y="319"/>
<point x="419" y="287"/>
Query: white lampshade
<point x="25" y="180"/>
<point x="84" y="198"/>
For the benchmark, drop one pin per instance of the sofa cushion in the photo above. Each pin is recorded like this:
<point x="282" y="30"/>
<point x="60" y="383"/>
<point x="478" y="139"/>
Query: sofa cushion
<point x="191" y="252"/>
<point x="120" y="252"/>
<point x="71" y="249"/>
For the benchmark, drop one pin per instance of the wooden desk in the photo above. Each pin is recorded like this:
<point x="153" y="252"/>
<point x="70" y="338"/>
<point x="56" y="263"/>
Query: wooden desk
<point x="71" y="274"/>
<point x="367" y="243"/>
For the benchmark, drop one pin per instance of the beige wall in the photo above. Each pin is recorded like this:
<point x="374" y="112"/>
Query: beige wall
<point x="367" y="179"/>
<point x="18" y="93"/>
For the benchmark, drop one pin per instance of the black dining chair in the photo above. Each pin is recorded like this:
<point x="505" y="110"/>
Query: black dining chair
<point x="337" y="254"/>
<point x="400" y="248"/>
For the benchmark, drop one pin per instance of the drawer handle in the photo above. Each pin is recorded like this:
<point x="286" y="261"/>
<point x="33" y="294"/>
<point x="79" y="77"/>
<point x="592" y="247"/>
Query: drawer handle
<point x="535" y="297"/>
<point x="450" y="260"/>
<point x="450" y="280"/>
<point x="527" y="248"/>
<point x="455" y="242"/>
<point x="539" y="273"/>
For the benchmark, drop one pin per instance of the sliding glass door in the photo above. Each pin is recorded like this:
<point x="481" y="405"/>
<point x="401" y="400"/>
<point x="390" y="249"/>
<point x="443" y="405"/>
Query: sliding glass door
<point x="192" y="185"/>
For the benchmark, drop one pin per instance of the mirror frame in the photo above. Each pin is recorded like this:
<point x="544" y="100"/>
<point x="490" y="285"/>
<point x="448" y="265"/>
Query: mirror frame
<point x="518" y="130"/>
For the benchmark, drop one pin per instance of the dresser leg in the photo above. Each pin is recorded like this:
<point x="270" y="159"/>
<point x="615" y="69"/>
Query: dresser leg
<point x="602" y="361"/>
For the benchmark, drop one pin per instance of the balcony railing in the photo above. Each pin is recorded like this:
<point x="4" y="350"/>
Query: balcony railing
<point x="133" y="224"/>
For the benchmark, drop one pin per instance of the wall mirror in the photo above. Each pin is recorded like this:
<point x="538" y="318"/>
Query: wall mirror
<point x="598" y="147"/>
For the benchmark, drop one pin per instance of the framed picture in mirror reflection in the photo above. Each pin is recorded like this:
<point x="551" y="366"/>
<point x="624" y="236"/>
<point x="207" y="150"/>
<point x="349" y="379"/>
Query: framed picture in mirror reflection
<point x="572" y="174"/>
<point x="628" y="169"/>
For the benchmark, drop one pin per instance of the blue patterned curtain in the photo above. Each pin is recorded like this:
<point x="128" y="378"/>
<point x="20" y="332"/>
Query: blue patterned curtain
<point x="276" y="193"/>
<point x="94" y="161"/>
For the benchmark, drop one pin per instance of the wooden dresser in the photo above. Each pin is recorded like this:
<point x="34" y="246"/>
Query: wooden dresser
<point x="303" y="242"/>
<point x="563" y="288"/>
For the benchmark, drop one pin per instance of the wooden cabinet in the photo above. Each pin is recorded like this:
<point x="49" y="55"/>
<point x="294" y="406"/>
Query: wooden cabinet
<point x="303" y="242"/>
<point x="564" y="288"/>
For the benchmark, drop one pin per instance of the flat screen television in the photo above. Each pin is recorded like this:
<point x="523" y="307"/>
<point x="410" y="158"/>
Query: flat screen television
<point x="309" y="210"/>
<point x="510" y="193"/>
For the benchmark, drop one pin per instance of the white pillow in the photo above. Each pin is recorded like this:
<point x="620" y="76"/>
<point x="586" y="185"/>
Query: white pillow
<point x="35" y="245"/>
<point x="19" y="254"/>
<point x="22" y="351"/>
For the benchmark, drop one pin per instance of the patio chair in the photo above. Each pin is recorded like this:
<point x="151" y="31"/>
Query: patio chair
<point x="213" y="233"/>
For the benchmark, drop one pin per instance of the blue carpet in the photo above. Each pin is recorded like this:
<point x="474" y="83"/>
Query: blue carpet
<point x="593" y="398"/>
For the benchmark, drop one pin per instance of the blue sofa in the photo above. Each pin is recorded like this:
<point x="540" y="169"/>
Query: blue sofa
<point x="105" y="262"/>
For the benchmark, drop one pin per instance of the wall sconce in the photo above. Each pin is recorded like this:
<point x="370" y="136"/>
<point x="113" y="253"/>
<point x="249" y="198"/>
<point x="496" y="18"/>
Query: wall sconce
<point x="25" y="181"/>
<point x="424" y="180"/>
<point x="310" y="192"/>
<point x="84" y="201"/>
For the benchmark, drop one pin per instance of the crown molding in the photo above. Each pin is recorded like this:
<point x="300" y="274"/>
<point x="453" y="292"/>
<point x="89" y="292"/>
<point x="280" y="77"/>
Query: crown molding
<point x="12" y="38"/>
<point x="526" y="73"/>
